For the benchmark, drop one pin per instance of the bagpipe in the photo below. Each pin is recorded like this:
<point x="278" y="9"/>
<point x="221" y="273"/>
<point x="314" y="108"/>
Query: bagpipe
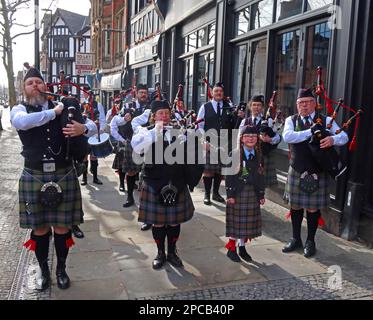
<point x="328" y="159"/>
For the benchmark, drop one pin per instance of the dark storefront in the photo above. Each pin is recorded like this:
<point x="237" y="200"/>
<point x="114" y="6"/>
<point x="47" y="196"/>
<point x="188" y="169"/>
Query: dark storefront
<point x="260" y="46"/>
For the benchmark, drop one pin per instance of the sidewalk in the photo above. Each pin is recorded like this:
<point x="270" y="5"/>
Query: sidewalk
<point x="114" y="259"/>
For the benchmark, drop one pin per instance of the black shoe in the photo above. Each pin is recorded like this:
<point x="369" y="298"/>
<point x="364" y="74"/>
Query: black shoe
<point x="243" y="254"/>
<point x="146" y="226"/>
<point x="309" y="249"/>
<point x="233" y="256"/>
<point x="159" y="260"/>
<point x="97" y="181"/>
<point x="207" y="200"/>
<point x="44" y="281"/>
<point x="217" y="197"/>
<point x="63" y="280"/>
<point x="174" y="259"/>
<point x="84" y="182"/>
<point x="122" y="189"/>
<point x="77" y="232"/>
<point x="130" y="202"/>
<point x="292" y="245"/>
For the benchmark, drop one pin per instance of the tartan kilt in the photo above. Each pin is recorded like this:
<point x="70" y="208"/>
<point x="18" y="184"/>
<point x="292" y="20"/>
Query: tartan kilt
<point x="152" y="212"/>
<point x="128" y="165"/>
<point x="270" y="176"/>
<point x="295" y="197"/>
<point x="118" y="160"/>
<point x="33" y="215"/>
<point x="211" y="169"/>
<point x="244" y="220"/>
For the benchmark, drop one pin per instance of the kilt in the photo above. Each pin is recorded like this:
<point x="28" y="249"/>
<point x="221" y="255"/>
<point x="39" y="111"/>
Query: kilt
<point x="152" y="212"/>
<point x="128" y="165"/>
<point x="33" y="215"/>
<point x="295" y="197"/>
<point x="270" y="177"/>
<point x="118" y="160"/>
<point x="243" y="220"/>
<point x="211" y="169"/>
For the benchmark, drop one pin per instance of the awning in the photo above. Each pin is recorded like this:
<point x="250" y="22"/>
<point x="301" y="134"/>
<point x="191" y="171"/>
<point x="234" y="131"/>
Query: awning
<point x="111" y="82"/>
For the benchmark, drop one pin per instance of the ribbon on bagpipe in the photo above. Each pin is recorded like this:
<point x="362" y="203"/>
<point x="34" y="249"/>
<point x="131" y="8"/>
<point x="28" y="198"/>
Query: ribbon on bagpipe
<point x="329" y="103"/>
<point x="209" y="93"/>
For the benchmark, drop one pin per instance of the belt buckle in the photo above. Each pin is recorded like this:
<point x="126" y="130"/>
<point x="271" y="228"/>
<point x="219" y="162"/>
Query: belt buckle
<point x="49" y="165"/>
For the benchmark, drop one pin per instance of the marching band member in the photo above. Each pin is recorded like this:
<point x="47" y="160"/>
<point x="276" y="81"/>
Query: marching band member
<point x="165" y="200"/>
<point x="307" y="184"/>
<point x="96" y="113"/>
<point x="48" y="167"/>
<point x="216" y="116"/>
<point x="245" y="195"/>
<point x="269" y="139"/>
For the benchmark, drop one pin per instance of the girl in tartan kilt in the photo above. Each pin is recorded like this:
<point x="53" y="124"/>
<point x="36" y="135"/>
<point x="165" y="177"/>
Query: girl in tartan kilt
<point x="245" y="195"/>
<point x="165" y="200"/>
<point x="44" y="148"/>
<point x="298" y="131"/>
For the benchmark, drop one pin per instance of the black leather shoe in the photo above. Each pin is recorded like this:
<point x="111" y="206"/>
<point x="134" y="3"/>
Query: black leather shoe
<point x="207" y="200"/>
<point x="292" y="245"/>
<point x="217" y="197"/>
<point x="122" y="189"/>
<point x="63" y="280"/>
<point x="77" y="232"/>
<point x="233" y="256"/>
<point x="309" y="249"/>
<point x="43" y="281"/>
<point x="130" y="202"/>
<point x="97" y="181"/>
<point x="146" y="226"/>
<point x="159" y="260"/>
<point x="174" y="259"/>
<point x="84" y="182"/>
<point x="243" y="254"/>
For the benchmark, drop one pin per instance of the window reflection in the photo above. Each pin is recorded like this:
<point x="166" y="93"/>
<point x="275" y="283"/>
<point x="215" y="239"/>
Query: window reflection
<point x="212" y="28"/>
<point x="193" y="41"/>
<point x="288" y="8"/>
<point x="243" y="22"/>
<point x="239" y="73"/>
<point x="261" y="14"/>
<point x="315" y="4"/>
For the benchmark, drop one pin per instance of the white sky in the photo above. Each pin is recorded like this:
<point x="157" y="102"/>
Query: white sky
<point x="23" y="50"/>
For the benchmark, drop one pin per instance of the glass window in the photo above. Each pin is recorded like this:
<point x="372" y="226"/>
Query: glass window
<point x="202" y="73"/>
<point x="211" y="68"/>
<point x="239" y="73"/>
<point x="257" y="69"/>
<point x="66" y="54"/>
<point x="202" y="37"/>
<point x="315" y="4"/>
<point x="185" y="44"/>
<point x="212" y="28"/>
<point x="243" y="21"/>
<point x="317" y="52"/>
<point x="288" y="8"/>
<point x="190" y="84"/>
<point x="286" y="69"/>
<point x="261" y="14"/>
<point x="186" y="74"/>
<point x="142" y="75"/>
<point x="192" y="41"/>
<point x="151" y="76"/>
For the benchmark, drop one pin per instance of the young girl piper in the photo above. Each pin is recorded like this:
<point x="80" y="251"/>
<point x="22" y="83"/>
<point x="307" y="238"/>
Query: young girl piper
<point x="245" y="194"/>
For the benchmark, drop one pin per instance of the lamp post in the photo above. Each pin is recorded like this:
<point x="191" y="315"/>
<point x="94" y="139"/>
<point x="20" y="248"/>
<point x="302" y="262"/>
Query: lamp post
<point x="49" y="47"/>
<point x="37" y="27"/>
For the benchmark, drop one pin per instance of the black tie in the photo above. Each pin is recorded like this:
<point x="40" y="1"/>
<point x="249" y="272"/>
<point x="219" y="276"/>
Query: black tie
<point x="255" y="121"/>
<point x="251" y="156"/>
<point x="218" y="109"/>
<point x="307" y="122"/>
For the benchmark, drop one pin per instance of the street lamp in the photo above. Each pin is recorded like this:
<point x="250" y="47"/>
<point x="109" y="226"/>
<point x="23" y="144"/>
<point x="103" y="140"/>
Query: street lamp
<point x="49" y="48"/>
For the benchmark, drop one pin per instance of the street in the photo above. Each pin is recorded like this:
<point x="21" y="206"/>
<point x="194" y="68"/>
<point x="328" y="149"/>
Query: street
<point x="113" y="261"/>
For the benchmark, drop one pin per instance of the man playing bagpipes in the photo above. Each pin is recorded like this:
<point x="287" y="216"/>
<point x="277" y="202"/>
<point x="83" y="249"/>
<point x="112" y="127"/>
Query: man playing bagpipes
<point x="165" y="201"/>
<point x="49" y="191"/>
<point x="121" y="130"/>
<point x="96" y="113"/>
<point x="269" y="138"/>
<point x="307" y="182"/>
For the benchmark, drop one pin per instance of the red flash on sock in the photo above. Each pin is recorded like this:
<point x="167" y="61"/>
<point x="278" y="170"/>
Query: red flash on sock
<point x="69" y="243"/>
<point x="231" y="245"/>
<point x="31" y="245"/>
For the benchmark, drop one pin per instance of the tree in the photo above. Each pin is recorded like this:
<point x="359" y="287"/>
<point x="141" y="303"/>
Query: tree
<point x="8" y="9"/>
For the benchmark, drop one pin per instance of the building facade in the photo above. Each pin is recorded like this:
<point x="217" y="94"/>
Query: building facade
<point x="69" y="35"/>
<point x="256" y="47"/>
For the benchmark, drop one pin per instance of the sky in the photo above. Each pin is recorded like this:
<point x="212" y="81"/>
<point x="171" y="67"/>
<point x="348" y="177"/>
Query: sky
<point x="23" y="50"/>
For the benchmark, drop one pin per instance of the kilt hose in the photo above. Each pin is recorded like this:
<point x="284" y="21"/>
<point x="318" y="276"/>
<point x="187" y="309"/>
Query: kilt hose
<point x="297" y="198"/>
<point x="211" y="169"/>
<point x="243" y="219"/>
<point x="270" y="176"/>
<point x="152" y="212"/>
<point x="33" y="215"/>
<point x="128" y="165"/>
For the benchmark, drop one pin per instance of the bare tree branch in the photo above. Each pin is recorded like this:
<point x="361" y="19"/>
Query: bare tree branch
<point x="23" y="25"/>
<point x="22" y="34"/>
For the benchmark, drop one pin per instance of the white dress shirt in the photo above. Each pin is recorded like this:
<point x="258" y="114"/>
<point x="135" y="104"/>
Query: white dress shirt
<point x="201" y="112"/>
<point x="115" y="123"/>
<point x="275" y="140"/>
<point x="139" y="121"/>
<point x="292" y="137"/>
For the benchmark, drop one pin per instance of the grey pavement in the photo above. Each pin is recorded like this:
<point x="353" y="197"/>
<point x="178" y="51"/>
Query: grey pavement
<point x="113" y="261"/>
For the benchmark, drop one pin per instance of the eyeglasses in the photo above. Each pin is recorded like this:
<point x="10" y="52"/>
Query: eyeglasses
<point x="251" y="136"/>
<point x="305" y="101"/>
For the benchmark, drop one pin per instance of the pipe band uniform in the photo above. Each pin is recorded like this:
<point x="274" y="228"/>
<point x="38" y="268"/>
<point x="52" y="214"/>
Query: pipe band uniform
<point x="307" y="182"/>
<point x="50" y="145"/>
<point x="165" y="201"/>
